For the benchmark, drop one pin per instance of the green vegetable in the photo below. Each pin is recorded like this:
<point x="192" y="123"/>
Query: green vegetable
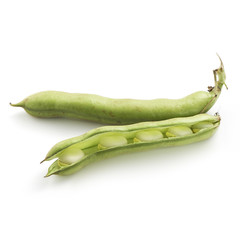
<point x="121" y="111"/>
<point x="75" y="153"/>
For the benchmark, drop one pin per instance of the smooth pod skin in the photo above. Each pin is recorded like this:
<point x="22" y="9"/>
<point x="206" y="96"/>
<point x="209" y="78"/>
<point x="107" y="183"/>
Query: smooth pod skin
<point x="121" y="111"/>
<point x="128" y="138"/>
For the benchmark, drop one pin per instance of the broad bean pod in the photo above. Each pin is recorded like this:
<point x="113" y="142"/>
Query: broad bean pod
<point x="73" y="154"/>
<point x="121" y="111"/>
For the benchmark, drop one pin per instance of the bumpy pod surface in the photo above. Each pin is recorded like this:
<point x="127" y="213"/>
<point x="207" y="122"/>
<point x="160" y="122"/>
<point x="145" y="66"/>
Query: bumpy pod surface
<point x="73" y="154"/>
<point x="121" y="111"/>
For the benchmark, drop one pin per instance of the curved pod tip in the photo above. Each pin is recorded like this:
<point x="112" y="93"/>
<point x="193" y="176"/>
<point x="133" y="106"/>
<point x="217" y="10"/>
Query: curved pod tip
<point x="43" y="161"/>
<point x="47" y="175"/>
<point x="20" y="104"/>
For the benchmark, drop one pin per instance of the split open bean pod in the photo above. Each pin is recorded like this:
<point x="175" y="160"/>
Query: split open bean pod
<point x="75" y="153"/>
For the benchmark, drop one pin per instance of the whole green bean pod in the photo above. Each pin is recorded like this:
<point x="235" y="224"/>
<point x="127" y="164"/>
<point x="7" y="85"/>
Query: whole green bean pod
<point x="73" y="154"/>
<point x="121" y="111"/>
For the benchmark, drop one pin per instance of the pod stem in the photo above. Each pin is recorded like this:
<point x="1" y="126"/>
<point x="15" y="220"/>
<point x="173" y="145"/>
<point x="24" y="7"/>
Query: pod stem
<point x="219" y="78"/>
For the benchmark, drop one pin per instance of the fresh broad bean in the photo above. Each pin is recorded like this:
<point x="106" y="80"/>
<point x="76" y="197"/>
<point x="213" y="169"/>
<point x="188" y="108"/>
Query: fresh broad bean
<point x="199" y="126"/>
<point x="71" y="155"/>
<point x="111" y="141"/>
<point x="178" y="131"/>
<point x="121" y="111"/>
<point x="148" y="136"/>
<point x="75" y="153"/>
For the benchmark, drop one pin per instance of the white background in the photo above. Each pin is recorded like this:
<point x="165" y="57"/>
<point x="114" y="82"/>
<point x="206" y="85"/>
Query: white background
<point x="120" y="49"/>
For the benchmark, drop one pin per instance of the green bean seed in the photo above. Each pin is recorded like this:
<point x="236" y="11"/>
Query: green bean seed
<point x="178" y="131"/>
<point x="75" y="153"/>
<point x="148" y="136"/>
<point x="70" y="156"/>
<point x="112" y="141"/>
<point x="121" y="111"/>
<point x="199" y="126"/>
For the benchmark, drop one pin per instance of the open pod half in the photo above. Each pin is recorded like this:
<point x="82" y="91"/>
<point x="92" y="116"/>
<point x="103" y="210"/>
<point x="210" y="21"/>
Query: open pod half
<point x="73" y="154"/>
